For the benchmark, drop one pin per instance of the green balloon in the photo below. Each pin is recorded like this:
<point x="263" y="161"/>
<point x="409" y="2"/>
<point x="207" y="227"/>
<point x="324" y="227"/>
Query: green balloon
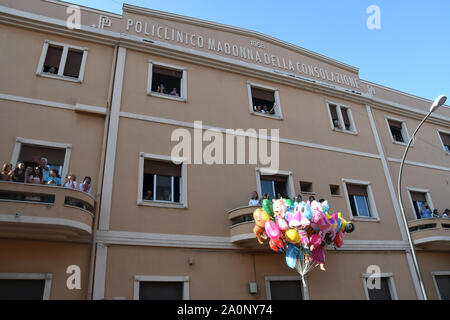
<point x="288" y="202"/>
<point x="267" y="206"/>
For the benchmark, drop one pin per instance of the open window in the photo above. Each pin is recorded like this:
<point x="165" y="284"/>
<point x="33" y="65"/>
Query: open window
<point x="62" y="61"/>
<point x="166" y="81"/>
<point x="398" y="131"/>
<point x="421" y="203"/>
<point x="162" y="182"/>
<point x="275" y="184"/>
<point x="444" y="137"/>
<point x="264" y="100"/>
<point x="341" y="118"/>
<point x="360" y="200"/>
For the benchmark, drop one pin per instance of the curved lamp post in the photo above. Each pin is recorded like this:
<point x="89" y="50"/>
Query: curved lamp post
<point x="436" y="104"/>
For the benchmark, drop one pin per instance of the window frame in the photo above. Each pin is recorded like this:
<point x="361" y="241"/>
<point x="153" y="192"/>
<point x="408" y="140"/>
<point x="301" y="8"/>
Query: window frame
<point x="144" y="278"/>
<point x="305" y="289"/>
<point x="391" y="284"/>
<point x="353" y="129"/>
<point x="31" y="276"/>
<point x="433" y="276"/>
<point x="62" y="64"/>
<point x="263" y="171"/>
<point x="371" y="201"/>
<point x="405" y="133"/>
<point x="183" y="204"/>
<point x="276" y="94"/>
<point x="39" y="143"/>
<point x="427" y="196"/>
<point x="439" y="131"/>
<point x="183" y="81"/>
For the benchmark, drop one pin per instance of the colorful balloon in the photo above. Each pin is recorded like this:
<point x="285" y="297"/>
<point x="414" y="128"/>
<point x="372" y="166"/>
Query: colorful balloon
<point x="276" y="245"/>
<point x="267" y="206"/>
<point x="272" y="230"/>
<point x="292" y="236"/>
<point x="282" y="223"/>
<point x="292" y="254"/>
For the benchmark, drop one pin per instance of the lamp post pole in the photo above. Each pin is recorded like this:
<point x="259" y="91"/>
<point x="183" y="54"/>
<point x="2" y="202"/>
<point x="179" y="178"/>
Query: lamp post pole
<point x="436" y="104"/>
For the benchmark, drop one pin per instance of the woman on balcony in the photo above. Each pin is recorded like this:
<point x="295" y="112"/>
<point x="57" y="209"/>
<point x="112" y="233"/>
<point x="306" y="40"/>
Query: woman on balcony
<point x="35" y="176"/>
<point x="7" y="172"/>
<point x="19" y="173"/>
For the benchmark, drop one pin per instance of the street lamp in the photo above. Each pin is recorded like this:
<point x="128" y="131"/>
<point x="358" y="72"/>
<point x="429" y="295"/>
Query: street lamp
<point x="436" y="104"/>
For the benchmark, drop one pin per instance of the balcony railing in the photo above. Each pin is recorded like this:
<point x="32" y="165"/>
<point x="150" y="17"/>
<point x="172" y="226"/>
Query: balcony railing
<point x="241" y="227"/>
<point x="431" y="233"/>
<point x="33" y="211"/>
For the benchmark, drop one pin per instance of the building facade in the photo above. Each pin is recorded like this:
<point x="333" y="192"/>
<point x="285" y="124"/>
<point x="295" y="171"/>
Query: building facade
<point x="113" y="96"/>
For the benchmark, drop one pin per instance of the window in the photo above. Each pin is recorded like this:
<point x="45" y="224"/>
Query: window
<point x="25" y="286"/>
<point x="274" y="183"/>
<point x="285" y="288"/>
<point x="167" y="81"/>
<point x="31" y="151"/>
<point x="420" y="198"/>
<point x="161" y="288"/>
<point x="306" y="187"/>
<point x="445" y="140"/>
<point x="383" y="290"/>
<point x="62" y="61"/>
<point x="264" y="101"/>
<point x="341" y="118"/>
<point x="441" y="281"/>
<point x="398" y="131"/>
<point x="162" y="182"/>
<point x="360" y="200"/>
<point x="334" y="190"/>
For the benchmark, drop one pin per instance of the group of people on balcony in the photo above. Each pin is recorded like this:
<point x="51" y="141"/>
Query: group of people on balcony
<point x="264" y="109"/>
<point x="42" y="174"/>
<point x="255" y="201"/>
<point x="425" y="213"/>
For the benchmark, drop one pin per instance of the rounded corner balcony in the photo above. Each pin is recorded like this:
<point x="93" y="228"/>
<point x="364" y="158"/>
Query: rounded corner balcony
<point x="241" y="228"/>
<point x="40" y="212"/>
<point x="431" y="233"/>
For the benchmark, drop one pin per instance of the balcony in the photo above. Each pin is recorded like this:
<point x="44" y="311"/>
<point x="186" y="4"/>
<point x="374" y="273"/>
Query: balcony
<point x="32" y="211"/>
<point x="241" y="228"/>
<point x="431" y="233"/>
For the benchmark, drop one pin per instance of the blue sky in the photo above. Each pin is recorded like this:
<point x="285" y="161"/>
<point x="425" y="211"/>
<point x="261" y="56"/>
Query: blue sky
<point x="411" y="51"/>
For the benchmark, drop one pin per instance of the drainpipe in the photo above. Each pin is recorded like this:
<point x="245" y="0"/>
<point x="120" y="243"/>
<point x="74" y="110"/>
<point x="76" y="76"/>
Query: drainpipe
<point x="100" y="179"/>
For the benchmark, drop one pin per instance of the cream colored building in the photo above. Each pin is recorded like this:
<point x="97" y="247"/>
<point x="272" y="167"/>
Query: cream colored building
<point x="87" y="99"/>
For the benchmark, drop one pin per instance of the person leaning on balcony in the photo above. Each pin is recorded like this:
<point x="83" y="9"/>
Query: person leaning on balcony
<point x="71" y="181"/>
<point x="425" y="213"/>
<point x="85" y="186"/>
<point x="7" y="172"/>
<point x="19" y="173"/>
<point x="35" y="176"/>
<point x="436" y="214"/>
<point x="254" y="200"/>
<point x="446" y="213"/>
<point x="54" y="179"/>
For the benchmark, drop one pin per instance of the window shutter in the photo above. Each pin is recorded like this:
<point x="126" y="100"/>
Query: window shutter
<point x="53" y="57"/>
<point x="418" y="196"/>
<point x="73" y="63"/>
<point x="445" y="138"/>
<point x="395" y="124"/>
<point x="168" y="72"/>
<point x="162" y="168"/>
<point x="333" y="112"/>
<point x="357" y="190"/>
<point x="276" y="178"/>
<point x="345" y="117"/>
<point x="263" y="94"/>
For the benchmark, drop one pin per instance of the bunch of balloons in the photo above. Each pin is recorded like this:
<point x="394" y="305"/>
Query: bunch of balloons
<point x="301" y="230"/>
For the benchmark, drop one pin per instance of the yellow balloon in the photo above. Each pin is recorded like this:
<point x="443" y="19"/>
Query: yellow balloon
<point x="264" y="215"/>
<point x="292" y="236"/>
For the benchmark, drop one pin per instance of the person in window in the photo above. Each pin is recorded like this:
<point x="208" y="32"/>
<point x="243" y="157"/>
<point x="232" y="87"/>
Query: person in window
<point x="297" y="199"/>
<point x="148" y="195"/>
<point x="7" y="172"/>
<point x="52" y="70"/>
<point x="161" y="88"/>
<point x="85" y="186"/>
<point x="53" y="179"/>
<point x="265" y="196"/>
<point x="446" y="213"/>
<point x="44" y="169"/>
<point x="258" y="109"/>
<point x="311" y="198"/>
<point x="174" y="92"/>
<point x="266" y="110"/>
<point x="71" y="181"/>
<point x="426" y="212"/>
<point x="35" y="175"/>
<point x="19" y="173"/>
<point x="254" y="200"/>
<point x="436" y="214"/>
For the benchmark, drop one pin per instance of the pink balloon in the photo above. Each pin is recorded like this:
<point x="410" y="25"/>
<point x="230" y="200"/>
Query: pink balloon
<point x="272" y="230"/>
<point x="282" y="223"/>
